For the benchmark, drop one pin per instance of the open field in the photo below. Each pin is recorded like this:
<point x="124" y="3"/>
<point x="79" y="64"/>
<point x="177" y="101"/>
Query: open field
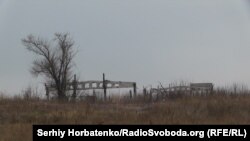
<point x="17" y="116"/>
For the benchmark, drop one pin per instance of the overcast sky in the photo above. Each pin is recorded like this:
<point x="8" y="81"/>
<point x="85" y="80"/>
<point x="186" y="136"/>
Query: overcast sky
<point x="147" y="41"/>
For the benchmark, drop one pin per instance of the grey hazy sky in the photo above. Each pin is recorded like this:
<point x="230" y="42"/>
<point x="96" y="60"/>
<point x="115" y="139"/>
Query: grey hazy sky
<point x="146" y="41"/>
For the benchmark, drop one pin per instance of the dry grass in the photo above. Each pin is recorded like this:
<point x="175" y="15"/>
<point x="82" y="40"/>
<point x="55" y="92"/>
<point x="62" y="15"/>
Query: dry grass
<point x="17" y="116"/>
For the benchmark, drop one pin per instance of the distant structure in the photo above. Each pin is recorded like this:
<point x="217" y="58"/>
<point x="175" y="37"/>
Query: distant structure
<point x="93" y="85"/>
<point x="193" y="89"/>
<point x="201" y="88"/>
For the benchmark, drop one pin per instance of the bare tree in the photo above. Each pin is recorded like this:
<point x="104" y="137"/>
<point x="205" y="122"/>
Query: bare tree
<point x="55" y="60"/>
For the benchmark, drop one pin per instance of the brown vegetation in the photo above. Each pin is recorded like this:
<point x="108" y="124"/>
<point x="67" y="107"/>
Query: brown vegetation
<point x="17" y="116"/>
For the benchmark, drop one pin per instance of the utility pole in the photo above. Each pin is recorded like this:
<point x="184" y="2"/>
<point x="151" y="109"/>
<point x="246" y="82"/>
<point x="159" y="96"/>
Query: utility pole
<point x="135" y="92"/>
<point x="47" y="91"/>
<point x="104" y="87"/>
<point x="74" y="88"/>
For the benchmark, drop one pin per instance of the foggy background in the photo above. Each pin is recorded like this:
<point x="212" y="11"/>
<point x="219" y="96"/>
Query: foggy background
<point x="146" y="41"/>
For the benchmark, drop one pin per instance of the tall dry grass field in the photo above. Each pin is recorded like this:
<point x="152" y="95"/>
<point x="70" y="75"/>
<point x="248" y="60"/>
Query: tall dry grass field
<point x="17" y="116"/>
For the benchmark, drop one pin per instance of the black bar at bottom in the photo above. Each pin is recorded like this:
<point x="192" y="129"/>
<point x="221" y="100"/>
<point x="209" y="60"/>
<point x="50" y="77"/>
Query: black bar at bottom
<point x="80" y="132"/>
